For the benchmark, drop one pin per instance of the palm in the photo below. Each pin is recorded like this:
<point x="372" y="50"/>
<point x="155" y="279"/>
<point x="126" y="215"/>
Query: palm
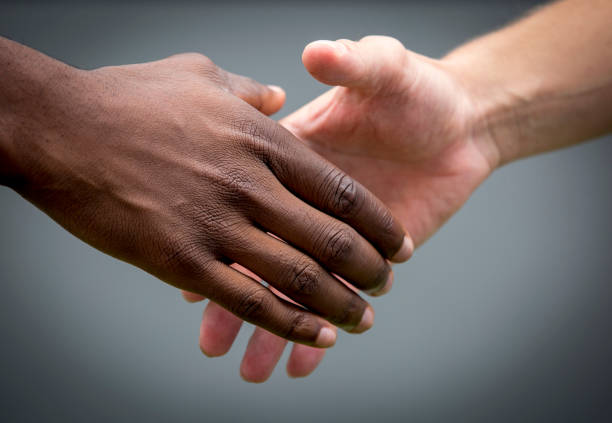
<point x="408" y="141"/>
<point x="402" y="128"/>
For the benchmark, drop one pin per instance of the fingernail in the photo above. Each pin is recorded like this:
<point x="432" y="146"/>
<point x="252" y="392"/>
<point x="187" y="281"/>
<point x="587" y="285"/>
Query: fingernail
<point x="191" y="297"/>
<point x="386" y="288"/>
<point x="367" y="320"/>
<point x="276" y="88"/>
<point x="339" y="47"/>
<point x="326" y="337"/>
<point x="209" y="354"/>
<point x="405" y="252"/>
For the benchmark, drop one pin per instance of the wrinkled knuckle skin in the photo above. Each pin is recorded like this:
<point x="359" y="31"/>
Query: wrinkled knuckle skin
<point x="184" y="259"/>
<point x="258" y="137"/>
<point x="237" y="187"/>
<point x="304" y="280"/>
<point x="390" y="236"/>
<point x="345" y="197"/>
<point x="238" y="183"/>
<point x="184" y="252"/>
<point x="338" y="247"/>
<point x="210" y="222"/>
<point x="252" y="306"/>
<point x="251" y="129"/>
<point x="345" y="200"/>
<point x="388" y="228"/>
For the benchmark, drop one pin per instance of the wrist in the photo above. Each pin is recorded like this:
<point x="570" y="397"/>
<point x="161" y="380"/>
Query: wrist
<point x="34" y="91"/>
<point x="500" y="118"/>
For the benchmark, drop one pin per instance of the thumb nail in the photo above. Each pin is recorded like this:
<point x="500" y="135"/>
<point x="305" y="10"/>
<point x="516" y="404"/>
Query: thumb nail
<point x="339" y="47"/>
<point x="276" y="88"/>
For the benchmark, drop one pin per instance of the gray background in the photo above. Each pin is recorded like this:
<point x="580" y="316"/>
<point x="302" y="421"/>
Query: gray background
<point x="505" y="315"/>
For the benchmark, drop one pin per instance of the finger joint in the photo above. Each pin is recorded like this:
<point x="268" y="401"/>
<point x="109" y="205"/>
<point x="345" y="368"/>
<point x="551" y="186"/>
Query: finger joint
<point x="304" y="280"/>
<point x="253" y="305"/>
<point x="338" y="247"/>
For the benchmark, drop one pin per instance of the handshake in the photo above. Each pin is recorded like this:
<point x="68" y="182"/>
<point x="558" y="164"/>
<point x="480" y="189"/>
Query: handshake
<point x="174" y="167"/>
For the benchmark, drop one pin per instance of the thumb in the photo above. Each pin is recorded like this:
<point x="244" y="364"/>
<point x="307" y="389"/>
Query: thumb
<point x="268" y="99"/>
<point x="372" y="63"/>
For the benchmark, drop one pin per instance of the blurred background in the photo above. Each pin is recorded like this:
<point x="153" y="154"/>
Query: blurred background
<point x="505" y="315"/>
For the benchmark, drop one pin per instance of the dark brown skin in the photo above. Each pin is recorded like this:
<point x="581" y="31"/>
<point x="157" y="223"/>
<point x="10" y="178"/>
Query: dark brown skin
<point x="165" y="165"/>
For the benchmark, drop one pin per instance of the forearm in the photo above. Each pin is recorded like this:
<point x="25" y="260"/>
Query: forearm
<point x="30" y="93"/>
<point x="544" y="82"/>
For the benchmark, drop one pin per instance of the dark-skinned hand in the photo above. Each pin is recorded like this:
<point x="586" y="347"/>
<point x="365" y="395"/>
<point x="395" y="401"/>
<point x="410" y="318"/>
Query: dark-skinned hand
<point x="163" y="165"/>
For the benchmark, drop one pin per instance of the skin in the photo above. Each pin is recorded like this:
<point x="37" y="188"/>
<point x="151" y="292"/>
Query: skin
<point x="423" y="134"/>
<point x="169" y="166"/>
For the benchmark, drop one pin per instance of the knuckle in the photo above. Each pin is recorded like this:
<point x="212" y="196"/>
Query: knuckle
<point x="345" y="196"/>
<point x="203" y="65"/>
<point x="237" y="182"/>
<point x="253" y="305"/>
<point x="304" y="279"/>
<point x="251" y="129"/>
<point x="184" y="260"/>
<point x="208" y="222"/>
<point x="339" y="245"/>
<point x="262" y="138"/>
<point x="237" y="187"/>
<point x="181" y="252"/>
<point x="199" y="60"/>
<point x="193" y="59"/>
<point x="387" y="227"/>
<point x="257" y="136"/>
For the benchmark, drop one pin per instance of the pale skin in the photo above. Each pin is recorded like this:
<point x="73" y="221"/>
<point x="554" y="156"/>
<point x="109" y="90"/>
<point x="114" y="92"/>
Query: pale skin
<point x="423" y="133"/>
